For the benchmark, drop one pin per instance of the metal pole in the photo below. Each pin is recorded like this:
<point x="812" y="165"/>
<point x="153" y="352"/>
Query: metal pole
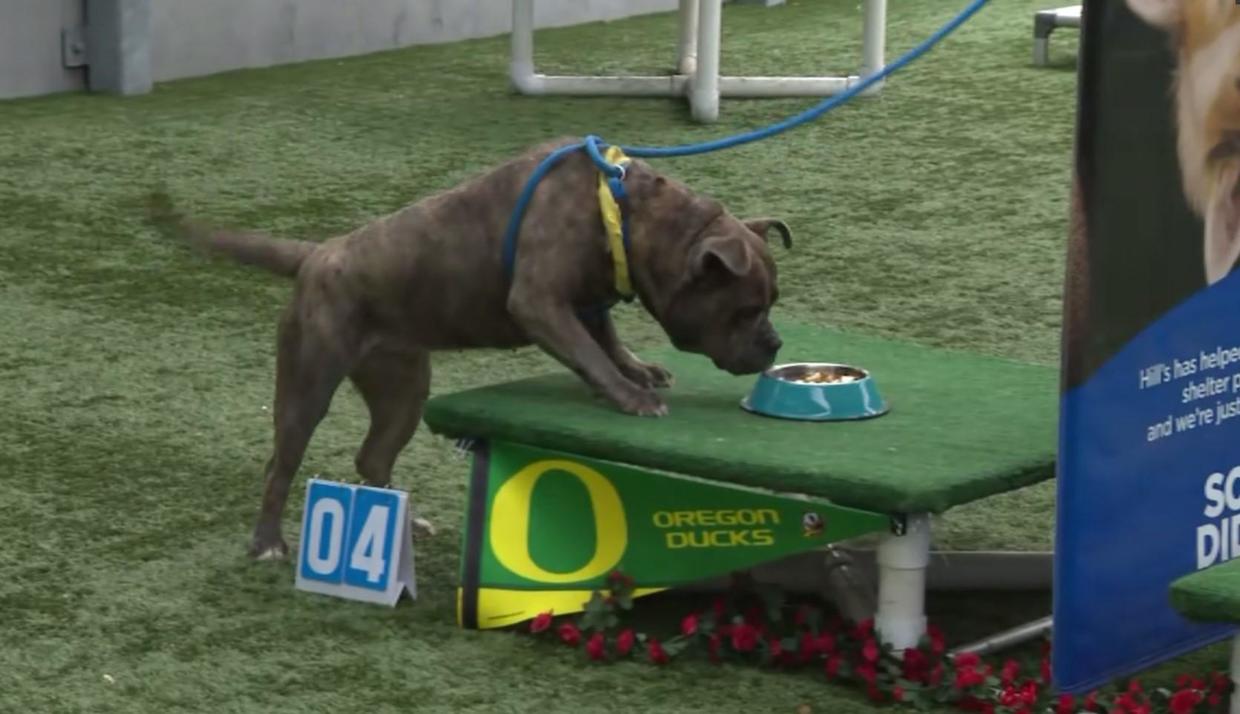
<point x="1014" y="636"/>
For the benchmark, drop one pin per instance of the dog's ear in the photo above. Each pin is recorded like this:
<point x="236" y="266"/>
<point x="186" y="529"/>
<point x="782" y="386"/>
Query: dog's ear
<point x="762" y="227"/>
<point x="727" y="254"/>
<point x="1162" y="14"/>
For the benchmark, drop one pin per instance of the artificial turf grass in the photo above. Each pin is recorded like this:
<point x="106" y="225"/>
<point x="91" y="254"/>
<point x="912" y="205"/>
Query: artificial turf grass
<point x="135" y="375"/>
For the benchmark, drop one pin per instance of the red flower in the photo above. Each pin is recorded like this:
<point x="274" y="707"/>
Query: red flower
<point x="689" y="625"/>
<point x="807" y="647"/>
<point x="938" y="643"/>
<point x="864" y="630"/>
<point x="875" y="694"/>
<point x="1011" y="670"/>
<point x="655" y="650"/>
<point x="1066" y="704"/>
<point x="619" y="577"/>
<point x="720" y="607"/>
<point x="777" y="648"/>
<point x="967" y="659"/>
<point x="541" y="623"/>
<point x="967" y="677"/>
<point x="1029" y="693"/>
<point x="832" y="667"/>
<point x="744" y="638"/>
<point x="569" y="634"/>
<point x="914" y="665"/>
<point x="867" y="673"/>
<point x="1220" y="683"/>
<point x="825" y="643"/>
<point x="1046" y="672"/>
<point x="1183" y="681"/>
<point x="870" y="650"/>
<point x="596" y="647"/>
<point x="624" y="642"/>
<point x="1010" y="697"/>
<point x="898" y="693"/>
<point x="1091" y="702"/>
<point x="1134" y="686"/>
<point x="1214" y="700"/>
<point x="1185" y="701"/>
<point x="936" y="674"/>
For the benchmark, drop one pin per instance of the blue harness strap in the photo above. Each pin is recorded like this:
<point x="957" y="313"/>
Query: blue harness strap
<point x="615" y="182"/>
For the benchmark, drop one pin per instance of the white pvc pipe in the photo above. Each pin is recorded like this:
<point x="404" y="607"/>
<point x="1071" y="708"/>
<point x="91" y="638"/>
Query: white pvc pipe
<point x="704" y="89"/>
<point x="902" y="561"/>
<point x="521" y="67"/>
<point x="655" y="86"/>
<point x="698" y="51"/>
<point x="874" y="42"/>
<point x="686" y="47"/>
<point x="783" y="86"/>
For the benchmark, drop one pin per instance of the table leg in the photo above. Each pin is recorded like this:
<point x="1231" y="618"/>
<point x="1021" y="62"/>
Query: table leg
<point x="902" y="562"/>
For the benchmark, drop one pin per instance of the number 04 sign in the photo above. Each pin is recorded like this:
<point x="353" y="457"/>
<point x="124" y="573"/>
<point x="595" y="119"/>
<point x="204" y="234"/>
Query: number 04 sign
<point x="355" y="543"/>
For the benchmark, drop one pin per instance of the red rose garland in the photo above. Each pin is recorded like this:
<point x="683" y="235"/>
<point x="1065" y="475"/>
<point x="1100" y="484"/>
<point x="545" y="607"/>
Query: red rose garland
<point x="852" y="653"/>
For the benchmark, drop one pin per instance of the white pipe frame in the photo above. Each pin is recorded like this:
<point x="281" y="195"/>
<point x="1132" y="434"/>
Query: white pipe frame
<point x="697" y="64"/>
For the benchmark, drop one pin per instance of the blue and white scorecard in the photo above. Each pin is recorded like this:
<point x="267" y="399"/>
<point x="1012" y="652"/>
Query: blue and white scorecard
<point x="355" y="543"/>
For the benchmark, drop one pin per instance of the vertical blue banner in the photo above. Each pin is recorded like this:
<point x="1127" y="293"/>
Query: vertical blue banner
<point x="1149" y="472"/>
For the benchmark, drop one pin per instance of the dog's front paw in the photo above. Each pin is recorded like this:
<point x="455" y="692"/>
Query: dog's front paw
<point x="642" y="402"/>
<point x="277" y="550"/>
<point x="646" y="374"/>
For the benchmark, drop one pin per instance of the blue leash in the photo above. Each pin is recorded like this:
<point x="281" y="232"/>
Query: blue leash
<point x="594" y="145"/>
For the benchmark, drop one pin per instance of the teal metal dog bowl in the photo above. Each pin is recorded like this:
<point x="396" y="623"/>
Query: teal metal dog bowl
<point x="811" y="391"/>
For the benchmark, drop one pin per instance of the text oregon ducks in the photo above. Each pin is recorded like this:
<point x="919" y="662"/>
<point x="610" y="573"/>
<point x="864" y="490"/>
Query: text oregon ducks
<point x="705" y="528"/>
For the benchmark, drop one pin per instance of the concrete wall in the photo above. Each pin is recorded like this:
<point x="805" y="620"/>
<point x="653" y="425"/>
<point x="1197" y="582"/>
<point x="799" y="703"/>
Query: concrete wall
<point x="197" y="37"/>
<point x="193" y="37"/>
<point x="30" y="47"/>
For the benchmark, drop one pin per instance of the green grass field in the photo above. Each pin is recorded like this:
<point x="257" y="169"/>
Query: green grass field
<point x="137" y="378"/>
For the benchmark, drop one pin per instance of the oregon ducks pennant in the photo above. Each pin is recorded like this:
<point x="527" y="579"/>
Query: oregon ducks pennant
<point x="544" y="529"/>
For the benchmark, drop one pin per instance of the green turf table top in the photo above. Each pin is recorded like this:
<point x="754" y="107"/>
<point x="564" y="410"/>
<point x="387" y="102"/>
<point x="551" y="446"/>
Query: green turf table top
<point x="961" y="426"/>
<point x="1209" y="595"/>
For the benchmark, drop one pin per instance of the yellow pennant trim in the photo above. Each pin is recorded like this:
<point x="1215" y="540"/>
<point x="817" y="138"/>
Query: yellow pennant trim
<point x="612" y="222"/>
<point x="498" y="607"/>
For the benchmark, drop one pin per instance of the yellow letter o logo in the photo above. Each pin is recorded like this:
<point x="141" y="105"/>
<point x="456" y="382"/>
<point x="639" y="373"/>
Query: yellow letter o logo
<point x="510" y="523"/>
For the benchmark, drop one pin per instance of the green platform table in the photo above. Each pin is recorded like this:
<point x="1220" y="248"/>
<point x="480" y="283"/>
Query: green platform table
<point x="1212" y="595"/>
<point x="564" y="488"/>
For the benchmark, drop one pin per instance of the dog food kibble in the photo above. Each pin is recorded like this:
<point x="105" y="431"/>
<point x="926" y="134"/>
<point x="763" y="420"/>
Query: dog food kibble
<point x="826" y="378"/>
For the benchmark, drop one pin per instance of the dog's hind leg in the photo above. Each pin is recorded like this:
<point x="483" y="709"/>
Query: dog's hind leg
<point x="311" y="363"/>
<point x="395" y="386"/>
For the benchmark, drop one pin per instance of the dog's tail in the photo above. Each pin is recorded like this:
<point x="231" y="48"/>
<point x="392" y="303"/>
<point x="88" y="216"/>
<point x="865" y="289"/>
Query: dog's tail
<point x="280" y="256"/>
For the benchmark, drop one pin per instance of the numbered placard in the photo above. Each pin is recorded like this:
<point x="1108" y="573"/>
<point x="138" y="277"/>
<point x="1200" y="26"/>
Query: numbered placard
<point x="355" y="543"/>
